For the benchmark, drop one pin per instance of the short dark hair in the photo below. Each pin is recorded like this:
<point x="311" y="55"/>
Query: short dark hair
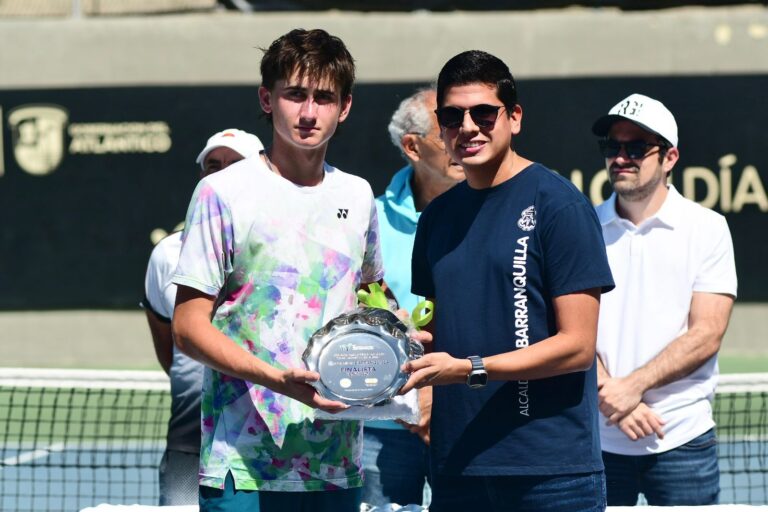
<point x="314" y="54"/>
<point x="476" y="66"/>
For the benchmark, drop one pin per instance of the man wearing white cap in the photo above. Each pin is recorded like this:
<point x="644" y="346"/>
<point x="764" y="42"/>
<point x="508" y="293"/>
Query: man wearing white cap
<point x="179" y="466"/>
<point x="661" y="328"/>
<point x="227" y="147"/>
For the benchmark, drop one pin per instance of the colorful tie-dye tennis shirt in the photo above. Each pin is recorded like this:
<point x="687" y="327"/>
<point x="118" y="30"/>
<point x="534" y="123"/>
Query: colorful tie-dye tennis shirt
<point x="282" y="261"/>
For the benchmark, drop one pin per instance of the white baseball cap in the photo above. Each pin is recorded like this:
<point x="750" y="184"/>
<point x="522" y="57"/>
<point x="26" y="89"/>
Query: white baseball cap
<point x="247" y="144"/>
<point x="648" y="113"/>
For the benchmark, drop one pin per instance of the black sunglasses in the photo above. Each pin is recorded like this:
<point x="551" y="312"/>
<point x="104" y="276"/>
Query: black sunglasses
<point x="635" y="149"/>
<point x="483" y="115"/>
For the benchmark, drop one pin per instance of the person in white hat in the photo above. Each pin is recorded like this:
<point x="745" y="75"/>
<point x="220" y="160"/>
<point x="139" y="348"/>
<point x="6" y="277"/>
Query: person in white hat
<point x="227" y="147"/>
<point x="660" y="330"/>
<point x="179" y="465"/>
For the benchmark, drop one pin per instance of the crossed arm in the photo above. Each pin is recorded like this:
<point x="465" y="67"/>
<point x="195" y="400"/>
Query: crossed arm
<point x="620" y="398"/>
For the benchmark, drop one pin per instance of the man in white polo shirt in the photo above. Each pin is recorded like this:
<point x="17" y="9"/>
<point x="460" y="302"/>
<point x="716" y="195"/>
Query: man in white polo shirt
<point x="660" y="329"/>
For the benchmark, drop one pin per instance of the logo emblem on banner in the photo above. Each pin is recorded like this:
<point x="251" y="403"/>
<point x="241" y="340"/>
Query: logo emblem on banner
<point x="38" y="137"/>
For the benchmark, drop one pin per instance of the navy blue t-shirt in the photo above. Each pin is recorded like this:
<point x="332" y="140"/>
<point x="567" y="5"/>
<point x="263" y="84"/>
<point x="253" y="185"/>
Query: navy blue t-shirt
<point x="493" y="260"/>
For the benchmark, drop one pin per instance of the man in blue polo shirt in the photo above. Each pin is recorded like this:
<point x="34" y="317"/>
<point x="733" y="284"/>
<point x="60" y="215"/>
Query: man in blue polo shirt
<point x="515" y="262"/>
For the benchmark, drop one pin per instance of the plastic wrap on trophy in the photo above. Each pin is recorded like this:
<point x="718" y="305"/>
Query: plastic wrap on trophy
<point x="359" y="355"/>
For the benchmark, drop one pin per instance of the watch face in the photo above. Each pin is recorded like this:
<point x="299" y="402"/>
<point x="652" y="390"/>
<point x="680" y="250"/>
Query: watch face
<point x="477" y="379"/>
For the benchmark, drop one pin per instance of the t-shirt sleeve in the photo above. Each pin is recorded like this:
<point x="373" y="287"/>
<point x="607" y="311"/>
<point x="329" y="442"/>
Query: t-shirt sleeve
<point x="574" y="251"/>
<point x="207" y="250"/>
<point x="422" y="283"/>
<point x="373" y="264"/>
<point x="159" y="291"/>
<point x="717" y="273"/>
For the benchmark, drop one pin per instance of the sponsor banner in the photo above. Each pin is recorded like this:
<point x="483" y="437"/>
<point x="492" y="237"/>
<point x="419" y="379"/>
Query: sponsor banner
<point x="90" y="179"/>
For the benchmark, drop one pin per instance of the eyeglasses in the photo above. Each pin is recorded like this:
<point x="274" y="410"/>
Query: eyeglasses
<point x="635" y="149"/>
<point x="483" y="115"/>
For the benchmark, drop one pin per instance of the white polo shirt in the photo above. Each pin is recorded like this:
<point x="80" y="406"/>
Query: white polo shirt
<point x="657" y="266"/>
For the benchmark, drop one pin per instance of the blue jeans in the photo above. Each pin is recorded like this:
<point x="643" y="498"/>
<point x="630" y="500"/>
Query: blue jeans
<point x="395" y="466"/>
<point x="231" y="500"/>
<point x="550" y="493"/>
<point x="686" y="475"/>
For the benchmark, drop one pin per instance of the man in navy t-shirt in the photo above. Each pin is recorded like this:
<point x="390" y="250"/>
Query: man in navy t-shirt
<point x="515" y="262"/>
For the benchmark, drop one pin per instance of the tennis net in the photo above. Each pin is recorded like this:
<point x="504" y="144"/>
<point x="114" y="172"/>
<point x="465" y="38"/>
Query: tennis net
<point x="75" y="438"/>
<point x="71" y="439"/>
<point x="741" y="415"/>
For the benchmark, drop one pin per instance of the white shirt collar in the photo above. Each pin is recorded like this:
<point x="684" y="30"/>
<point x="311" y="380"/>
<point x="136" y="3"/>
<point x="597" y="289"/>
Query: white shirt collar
<point x="667" y="216"/>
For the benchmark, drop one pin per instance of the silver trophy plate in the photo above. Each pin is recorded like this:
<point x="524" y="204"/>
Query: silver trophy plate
<point x="358" y="356"/>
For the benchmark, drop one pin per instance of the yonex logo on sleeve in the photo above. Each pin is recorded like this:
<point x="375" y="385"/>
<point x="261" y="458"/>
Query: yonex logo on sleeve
<point x="342" y="213"/>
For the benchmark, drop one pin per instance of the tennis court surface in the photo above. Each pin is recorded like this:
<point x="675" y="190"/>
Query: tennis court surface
<point x="71" y="439"/>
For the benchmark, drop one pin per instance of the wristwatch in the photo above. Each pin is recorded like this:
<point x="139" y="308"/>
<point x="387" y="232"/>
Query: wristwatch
<point x="477" y="377"/>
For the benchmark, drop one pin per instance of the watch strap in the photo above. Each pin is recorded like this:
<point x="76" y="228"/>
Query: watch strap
<point x="477" y="363"/>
